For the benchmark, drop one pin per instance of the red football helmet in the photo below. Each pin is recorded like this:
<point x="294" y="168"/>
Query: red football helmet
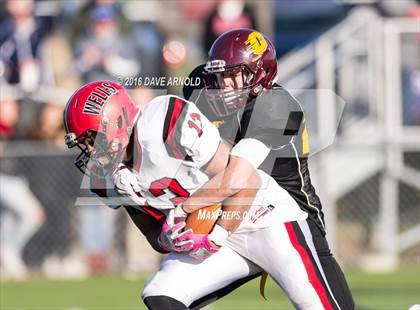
<point x="99" y="119"/>
<point x="243" y="53"/>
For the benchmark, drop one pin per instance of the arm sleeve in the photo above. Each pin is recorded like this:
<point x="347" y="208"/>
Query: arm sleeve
<point x="251" y="150"/>
<point x="188" y="134"/>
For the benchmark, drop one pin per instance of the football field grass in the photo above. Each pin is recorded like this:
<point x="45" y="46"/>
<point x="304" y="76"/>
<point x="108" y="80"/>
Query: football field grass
<point x="394" y="291"/>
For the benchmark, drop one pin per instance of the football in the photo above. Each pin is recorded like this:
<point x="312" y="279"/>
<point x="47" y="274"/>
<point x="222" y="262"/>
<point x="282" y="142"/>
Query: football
<point x="202" y="221"/>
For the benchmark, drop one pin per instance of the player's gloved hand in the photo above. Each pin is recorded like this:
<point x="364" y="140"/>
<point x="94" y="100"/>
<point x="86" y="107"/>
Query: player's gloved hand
<point x="202" y="248"/>
<point x="126" y="184"/>
<point x="207" y="245"/>
<point x="172" y="239"/>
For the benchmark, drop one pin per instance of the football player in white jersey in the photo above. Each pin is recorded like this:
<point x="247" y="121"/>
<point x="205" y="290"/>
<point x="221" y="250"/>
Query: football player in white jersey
<point x="159" y="158"/>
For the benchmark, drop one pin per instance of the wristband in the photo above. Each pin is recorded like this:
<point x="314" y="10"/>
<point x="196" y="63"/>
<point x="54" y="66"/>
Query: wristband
<point x="218" y="235"/>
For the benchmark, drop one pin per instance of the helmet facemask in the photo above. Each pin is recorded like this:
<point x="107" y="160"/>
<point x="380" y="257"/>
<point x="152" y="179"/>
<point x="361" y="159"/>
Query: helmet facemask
<point x="97" y="156"/>
<point x="224" y="101"/>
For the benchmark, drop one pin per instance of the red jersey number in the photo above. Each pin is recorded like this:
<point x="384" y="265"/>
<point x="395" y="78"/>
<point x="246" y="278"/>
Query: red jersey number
<point x="195" y="122"/>
<point x="159" y="187"/>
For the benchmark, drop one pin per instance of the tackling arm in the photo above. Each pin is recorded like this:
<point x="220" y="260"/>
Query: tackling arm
<point x="239" y="202"/>
<point x="239" y="174"/>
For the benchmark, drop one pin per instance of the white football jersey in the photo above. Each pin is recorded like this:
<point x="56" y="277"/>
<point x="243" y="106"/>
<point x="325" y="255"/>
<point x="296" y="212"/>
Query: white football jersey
<point x="173" y="143"/>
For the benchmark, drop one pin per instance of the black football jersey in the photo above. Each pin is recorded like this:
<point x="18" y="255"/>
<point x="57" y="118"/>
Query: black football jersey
<point x="276" y="119"/>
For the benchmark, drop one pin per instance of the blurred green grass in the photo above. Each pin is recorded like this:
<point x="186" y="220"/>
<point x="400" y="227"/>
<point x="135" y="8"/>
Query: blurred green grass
<point x="391" y="291"/>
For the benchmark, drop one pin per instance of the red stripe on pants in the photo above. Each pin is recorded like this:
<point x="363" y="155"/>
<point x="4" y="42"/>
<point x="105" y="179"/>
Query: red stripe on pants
<point x="307" y="262"/>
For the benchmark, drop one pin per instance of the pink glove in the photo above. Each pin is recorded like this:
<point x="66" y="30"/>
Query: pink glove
<point x="207" y="245"/>
<point x="170" y="238"/>
<point x="202" y="248"/>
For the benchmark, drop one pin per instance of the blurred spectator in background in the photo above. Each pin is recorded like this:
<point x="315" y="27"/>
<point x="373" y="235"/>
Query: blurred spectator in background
<point x="105" y="54"/>
<point x="147" y="37"/>
<point x="227" y="15"/>
<point x="196" y="11"/>
<point x="21" y="38"/>
<point x="48" y="125"/>
<point x="33" y="62"/>
<point x="77" y="16"/>
<point x="142" y="95"/>
<point x="16" y="116"/>
<point x="9" y="114"/>
<point x="60" y="76"/>
<point x="21" y="214"/>
<point x="97" y="229"/>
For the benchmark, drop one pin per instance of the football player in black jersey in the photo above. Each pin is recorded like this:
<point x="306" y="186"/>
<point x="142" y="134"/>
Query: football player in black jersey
<point x="266" y="126"/>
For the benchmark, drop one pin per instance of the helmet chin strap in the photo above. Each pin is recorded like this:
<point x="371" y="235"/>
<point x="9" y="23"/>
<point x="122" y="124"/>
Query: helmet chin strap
<point x="127" y="123"/>
<point x="258" y="88"/>
<point x="128" y="152"/>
